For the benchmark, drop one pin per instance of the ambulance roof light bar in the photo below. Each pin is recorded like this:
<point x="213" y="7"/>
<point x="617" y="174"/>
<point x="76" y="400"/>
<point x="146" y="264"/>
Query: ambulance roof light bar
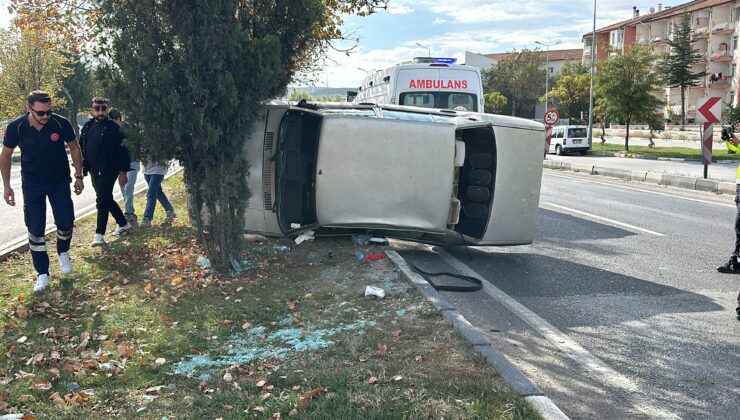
<point x="435" y="60"/>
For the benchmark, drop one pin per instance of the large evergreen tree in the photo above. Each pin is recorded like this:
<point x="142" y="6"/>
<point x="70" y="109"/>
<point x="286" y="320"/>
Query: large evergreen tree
<point x="191" y="77"/>
<point x="676" y="65"/>
<point x="624" y="83"/>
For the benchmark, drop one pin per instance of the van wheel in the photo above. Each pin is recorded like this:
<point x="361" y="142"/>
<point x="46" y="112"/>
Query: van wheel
<point x="558" y="150"/>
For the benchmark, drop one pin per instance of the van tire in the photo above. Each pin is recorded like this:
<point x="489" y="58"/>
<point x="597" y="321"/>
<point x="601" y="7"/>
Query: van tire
<point x="558" y="150"/>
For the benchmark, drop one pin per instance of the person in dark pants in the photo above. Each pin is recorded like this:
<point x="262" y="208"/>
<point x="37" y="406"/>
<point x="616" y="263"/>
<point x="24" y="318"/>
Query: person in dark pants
<point x="107" y="160"/>
<point x="732" y="266"/>
<point x="41" y="136"/>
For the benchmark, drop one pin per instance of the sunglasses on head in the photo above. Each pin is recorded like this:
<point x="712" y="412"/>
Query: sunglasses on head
<point x="42" y="113"/>
<point x="100" y="107"/>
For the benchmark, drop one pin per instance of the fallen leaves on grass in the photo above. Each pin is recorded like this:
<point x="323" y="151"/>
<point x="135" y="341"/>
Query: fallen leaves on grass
<point x="373" y="380"/>
<point x="303" y="402"/>
<point x="382" y="349"/>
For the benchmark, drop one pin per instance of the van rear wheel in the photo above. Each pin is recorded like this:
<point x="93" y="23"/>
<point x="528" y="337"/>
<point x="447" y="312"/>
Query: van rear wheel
<point x="558" y="150"/>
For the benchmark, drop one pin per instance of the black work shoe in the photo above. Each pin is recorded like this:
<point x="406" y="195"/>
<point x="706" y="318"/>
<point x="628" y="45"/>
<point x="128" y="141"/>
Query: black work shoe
<point x="731" y="266"/>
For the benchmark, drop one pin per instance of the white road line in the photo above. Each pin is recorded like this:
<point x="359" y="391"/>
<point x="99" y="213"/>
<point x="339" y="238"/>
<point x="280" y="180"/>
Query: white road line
<point x="604" y="219"/>
<point x="644" y="191"/>
<point x="594" y="367"/>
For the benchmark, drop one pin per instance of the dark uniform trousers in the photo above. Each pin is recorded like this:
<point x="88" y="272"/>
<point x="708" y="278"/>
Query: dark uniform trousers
<point x="34" y="211"/>
<point x="105" y="203"/>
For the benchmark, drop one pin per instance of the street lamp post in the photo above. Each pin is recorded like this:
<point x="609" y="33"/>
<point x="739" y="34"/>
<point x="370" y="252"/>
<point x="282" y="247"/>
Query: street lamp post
<point x="547" y="67"/>
<point x="429" y="51"/>
<point x="591" y="88"/>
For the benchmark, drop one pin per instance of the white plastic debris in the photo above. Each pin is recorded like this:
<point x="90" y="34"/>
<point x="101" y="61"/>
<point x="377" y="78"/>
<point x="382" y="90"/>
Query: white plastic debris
<point x="295" y="225"/>
<point x="372" y="291"/>
<point x="377" y="240"/>
<point x="305" y="236"/>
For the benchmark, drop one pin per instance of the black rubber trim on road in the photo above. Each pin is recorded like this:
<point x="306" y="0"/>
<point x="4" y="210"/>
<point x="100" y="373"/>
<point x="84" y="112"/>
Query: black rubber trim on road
<point x="444" y="288"/>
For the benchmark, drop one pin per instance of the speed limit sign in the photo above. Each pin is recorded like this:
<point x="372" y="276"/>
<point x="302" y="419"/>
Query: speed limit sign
<point x="551" y="117"/>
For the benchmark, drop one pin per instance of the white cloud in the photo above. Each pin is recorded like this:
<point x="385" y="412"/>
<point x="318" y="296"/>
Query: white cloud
<point x="399" y="7"/>
<point x="4" y="15"/>
<point x="439" y="21"/>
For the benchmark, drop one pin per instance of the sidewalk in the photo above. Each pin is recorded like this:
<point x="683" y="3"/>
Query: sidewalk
<point x="642" y="141"/>
<point x="682" y="174"/>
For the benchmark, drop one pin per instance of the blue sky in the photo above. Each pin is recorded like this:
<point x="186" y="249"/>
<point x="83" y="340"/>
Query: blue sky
<point x="449" y="28"/>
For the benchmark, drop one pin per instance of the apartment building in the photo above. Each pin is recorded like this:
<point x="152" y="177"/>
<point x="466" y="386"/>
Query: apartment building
<point x="714" y="28"/>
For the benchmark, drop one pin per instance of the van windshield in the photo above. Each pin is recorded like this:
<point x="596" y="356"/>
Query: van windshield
<point x="445" y="100"/>
<point x="577" y="132"/>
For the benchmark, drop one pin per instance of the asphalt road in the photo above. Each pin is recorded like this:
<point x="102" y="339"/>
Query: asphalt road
<point x="13" y="227"/>
<point x="629" y="318"/>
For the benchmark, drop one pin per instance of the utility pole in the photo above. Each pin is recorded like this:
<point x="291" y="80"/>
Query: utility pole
<point x="593" y="72"/>
<point x="429" y="51"/>
<point x="547" y="67"/>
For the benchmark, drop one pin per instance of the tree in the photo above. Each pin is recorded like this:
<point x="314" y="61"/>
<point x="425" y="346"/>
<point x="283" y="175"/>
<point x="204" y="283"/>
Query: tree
<point x="521" y="78"/>
<point x="78" y="88"/>
<point x="676" y="65"/>
<point x="570" y="92"/>
<point x="27" y="63"/>
<point x="191" y="77"/>
<point x="495" y="102"/>
<point x="624" y="83"/>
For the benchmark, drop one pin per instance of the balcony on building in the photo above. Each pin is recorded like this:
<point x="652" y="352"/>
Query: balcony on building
<point x="723" y="54"/>
<point x="720" y="28"/>
<point x="719" y="79"/>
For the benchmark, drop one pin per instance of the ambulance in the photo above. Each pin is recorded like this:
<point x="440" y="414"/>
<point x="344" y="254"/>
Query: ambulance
<point x="430" y="82"/>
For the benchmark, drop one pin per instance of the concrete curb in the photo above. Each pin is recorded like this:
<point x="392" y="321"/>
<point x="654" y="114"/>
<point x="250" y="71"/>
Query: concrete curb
<point x="519" y="382"/>
<point x="685" y="182"/>
<point x="21" y="244"/>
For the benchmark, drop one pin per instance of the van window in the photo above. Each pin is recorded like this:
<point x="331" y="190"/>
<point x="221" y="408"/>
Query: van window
<point x="457" y="100"/>
<point x="443" y="100"/>
<point x="557" y="133"/>
<point x="577" y="132"/>
<point x="419" y="99"/>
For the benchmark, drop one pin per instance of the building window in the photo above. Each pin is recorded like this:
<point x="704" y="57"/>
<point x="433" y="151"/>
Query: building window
<point x="551" y="70"/>
<point x="731" y="99"/>
<point x="733" y="69"/>
<point x="736" y="14"/>
<point x="734" y="42"/>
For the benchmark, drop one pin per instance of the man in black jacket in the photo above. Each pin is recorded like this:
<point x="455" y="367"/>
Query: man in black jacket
<point x="106" y="159"/>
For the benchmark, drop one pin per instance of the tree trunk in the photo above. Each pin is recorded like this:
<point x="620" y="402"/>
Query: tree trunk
<point x="683" y="106"/>
<point x="218" y="218"/>
<point x="627" y="137"/>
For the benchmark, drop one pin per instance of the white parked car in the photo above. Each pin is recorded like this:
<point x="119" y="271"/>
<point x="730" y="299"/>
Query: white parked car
<point x="569" y="138"/>
<point x="434" y="176"/>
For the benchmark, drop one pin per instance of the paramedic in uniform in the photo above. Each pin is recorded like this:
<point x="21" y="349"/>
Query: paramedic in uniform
<point x="733" y="266"/>
<point x="41" y="136"/>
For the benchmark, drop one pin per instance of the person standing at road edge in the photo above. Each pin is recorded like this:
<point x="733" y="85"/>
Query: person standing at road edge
<point x="127" y="190"/>
<point x="732" y="266"/>
<point x="106" y="159"/>
<point x="41" y="136"/>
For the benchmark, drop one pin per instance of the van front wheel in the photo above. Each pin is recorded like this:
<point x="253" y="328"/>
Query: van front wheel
<point x="558" y="150"/>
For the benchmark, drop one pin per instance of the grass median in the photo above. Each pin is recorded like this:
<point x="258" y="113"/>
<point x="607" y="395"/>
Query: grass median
<point x="661" y="152"/>
<point x="141" y="329"/>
